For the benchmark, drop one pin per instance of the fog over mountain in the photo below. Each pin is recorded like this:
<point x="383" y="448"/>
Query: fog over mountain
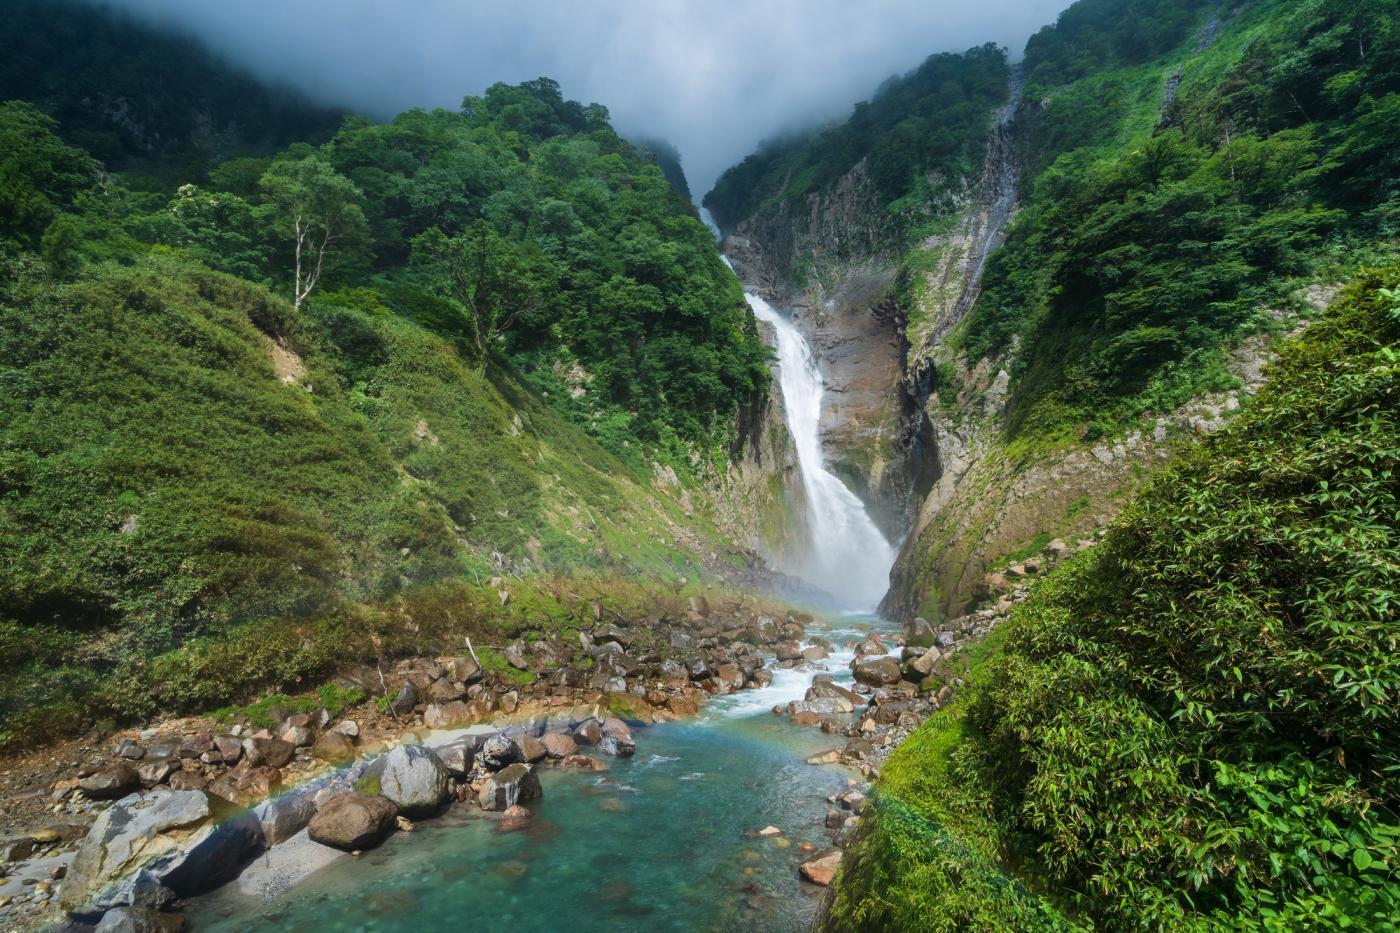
<point x="714" y="78"/>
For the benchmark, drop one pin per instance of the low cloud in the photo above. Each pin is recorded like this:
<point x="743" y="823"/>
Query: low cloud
<point x="715" y="77"/>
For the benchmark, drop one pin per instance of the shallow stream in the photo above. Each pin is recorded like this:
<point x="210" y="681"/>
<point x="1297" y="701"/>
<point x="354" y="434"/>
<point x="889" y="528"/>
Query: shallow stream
<point x="657" y="843"/>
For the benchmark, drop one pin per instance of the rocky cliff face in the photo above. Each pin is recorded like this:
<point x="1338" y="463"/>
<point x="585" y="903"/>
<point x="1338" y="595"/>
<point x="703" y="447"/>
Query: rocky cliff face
<point x="759" y="498"/>
<point x="910" y="424"/>
<point x="822" y="265"/>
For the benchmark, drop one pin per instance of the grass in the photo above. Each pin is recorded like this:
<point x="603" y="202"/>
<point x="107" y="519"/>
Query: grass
<point x="268" y="712"/>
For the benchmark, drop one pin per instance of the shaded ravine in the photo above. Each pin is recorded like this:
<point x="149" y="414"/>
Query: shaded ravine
<point x="657" y="843"/>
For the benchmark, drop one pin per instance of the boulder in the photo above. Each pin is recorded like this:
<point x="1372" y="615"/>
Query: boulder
<point x="823" y="686"/>
<point x="163" y="746"/>
<point x="618" y="746"/>
<point x="447" y="715"/>
<point x="869" y="646"/>
<point x="334" y="747"/>
<point x="876" y="672"/>
<point x="918" y="633"/>
<point x="497" y="752"/>
<point x="353" y="821"/>
<point x="583" y="763"/>
<point x="228" y="749"/>
<point x="110" y="783"/>
<point x="188" y="780"/>
<point x="814" y="654"/>
<point x="761" y="678"/>
<point x="822" y="869"/>
<point x="139" y="920"/>
<point x="530" y="748"/>
<point x="297" y="736"/>
<point x="514" y="819"/>
<point x="916" y="669"/>
<point x="611" y="633"/>
<point x="196" y="744"/>
<point x="462" y="670"/>
<point x="788" y="651"/>
<point x="460" y="757"/>
<point x="131" y="751"/>
<point x="155" y="771"/>
<point x="165" y="835"/>
<point x="558" y="745"/>
<point x="404" y="701"/>
<point x="414" y="779"/>
<point x="510" y="786"/>
<point x="347" y="727"/>
<point x="267" y="751"/>
<point x="821" y="706"/>
<point x="444" y="690"/>
<point x="588" y="732"/>
<point x="283" y="816"/>
<point x="246" y="783"/>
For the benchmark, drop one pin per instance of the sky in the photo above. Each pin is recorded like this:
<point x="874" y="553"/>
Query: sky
<point x="714" y="77"/>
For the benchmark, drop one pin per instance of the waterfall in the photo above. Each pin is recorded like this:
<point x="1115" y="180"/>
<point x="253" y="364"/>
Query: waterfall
<point x="847" y="556"/>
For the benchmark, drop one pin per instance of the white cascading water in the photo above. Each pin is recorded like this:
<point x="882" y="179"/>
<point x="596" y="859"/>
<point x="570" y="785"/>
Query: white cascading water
<point x="847" y="557"/>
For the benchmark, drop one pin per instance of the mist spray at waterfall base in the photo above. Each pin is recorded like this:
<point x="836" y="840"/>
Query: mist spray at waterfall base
<point x="847" y="555"/>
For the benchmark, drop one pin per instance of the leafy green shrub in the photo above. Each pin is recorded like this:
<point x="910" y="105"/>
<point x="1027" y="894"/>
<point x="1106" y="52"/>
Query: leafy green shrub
<point x="1194" y="725"/>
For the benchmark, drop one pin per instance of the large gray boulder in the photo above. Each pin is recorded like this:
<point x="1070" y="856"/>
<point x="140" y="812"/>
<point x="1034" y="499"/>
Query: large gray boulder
<point x="822" y="706"/>
<point x="164" y="839"/>
<point x="353" y="822"/>
<point x="415" y="779"/>
<point x="876" y="672"/>
<point x="618" y="746"/>
<point x="285" y="815"/>
<point x="510" y="786"/>
<point x="497" y="752"/>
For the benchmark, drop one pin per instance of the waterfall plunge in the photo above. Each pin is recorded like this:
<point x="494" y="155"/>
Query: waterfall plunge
<point x="847" y="557"/>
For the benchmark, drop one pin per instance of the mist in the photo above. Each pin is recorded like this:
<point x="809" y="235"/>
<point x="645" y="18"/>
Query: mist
<point x="713" y="77"/>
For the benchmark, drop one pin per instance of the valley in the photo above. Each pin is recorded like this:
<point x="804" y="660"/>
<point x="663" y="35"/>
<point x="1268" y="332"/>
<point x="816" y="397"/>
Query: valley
<point x="977" y="511"/>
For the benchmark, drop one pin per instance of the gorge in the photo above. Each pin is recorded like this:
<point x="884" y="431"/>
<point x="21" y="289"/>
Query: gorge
<point x="977" y="511"/>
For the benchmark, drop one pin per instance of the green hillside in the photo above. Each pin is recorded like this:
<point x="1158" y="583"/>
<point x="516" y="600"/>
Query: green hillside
<point x="1187" y="165"/>
<point x="221" y="469"/>
<point x="1194" y="725"/>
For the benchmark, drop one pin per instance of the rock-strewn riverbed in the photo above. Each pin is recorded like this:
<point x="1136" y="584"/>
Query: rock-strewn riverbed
<point x="729" y="819"/>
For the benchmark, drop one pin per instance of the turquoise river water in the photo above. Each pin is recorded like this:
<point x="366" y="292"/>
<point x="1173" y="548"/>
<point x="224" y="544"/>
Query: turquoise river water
<point x="657" y="843"/>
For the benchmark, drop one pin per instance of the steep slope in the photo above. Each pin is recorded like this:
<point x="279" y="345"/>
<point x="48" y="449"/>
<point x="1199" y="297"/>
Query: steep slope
<point x="1179" y="208"/>
<point x="814" y="224"/>
<point x="1185" y="178"/>
<point x="1193" y="725"/>
<point x="519" y="368"/>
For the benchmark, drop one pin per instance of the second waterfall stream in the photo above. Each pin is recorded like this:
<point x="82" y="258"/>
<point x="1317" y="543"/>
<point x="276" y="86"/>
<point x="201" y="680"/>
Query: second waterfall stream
<point x="847" y="555"/>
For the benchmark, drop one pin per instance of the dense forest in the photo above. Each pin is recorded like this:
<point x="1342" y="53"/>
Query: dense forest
<point x="227" y="383"/>
<point x="1157" y="226"/>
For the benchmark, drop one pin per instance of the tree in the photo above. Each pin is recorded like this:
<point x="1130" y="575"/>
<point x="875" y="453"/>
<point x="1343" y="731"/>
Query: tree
<point x="320" y="210"/>
<point x="501" y="284"/>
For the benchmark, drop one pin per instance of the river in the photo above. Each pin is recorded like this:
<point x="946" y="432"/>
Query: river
<point x="658" y="843"/>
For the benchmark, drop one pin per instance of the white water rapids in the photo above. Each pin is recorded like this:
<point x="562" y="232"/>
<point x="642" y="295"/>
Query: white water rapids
<point x="847" y="555"/>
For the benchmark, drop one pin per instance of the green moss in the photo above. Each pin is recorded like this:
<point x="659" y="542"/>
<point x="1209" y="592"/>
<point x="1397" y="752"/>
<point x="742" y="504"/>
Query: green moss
<point x="368" y="785"/>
